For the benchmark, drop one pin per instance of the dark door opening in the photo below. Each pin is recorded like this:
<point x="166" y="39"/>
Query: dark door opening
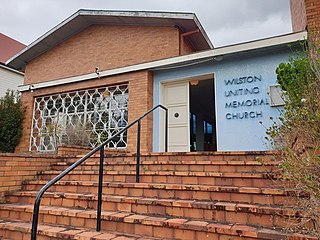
<point x="202" y="116"/>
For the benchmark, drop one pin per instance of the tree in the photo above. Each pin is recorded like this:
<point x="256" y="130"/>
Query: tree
<point x="11" y="116"/>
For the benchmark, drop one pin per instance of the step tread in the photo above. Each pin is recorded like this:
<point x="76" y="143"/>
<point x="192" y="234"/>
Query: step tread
<point x="198" y="154"/>
<point x="160" y="221"/>
<point x="169" y="173"/>
<point x="195" y="204"/>
<point x="173" y="186"/>
<point x="94" y="162"/>
<point x="68" y="232"/>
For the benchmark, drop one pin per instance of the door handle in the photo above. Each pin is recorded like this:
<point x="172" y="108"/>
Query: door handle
<point x="176" y="115"/>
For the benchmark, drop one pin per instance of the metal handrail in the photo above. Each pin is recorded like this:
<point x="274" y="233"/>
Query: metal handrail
<point x="35" y="216"/>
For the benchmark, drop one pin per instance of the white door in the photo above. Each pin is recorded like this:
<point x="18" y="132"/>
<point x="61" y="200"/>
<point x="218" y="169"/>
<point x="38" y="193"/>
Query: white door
<point x="176" y="99"/>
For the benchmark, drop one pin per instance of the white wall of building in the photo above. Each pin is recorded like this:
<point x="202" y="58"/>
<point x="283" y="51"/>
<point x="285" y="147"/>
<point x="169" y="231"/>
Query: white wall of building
<point x="9" y="79"/>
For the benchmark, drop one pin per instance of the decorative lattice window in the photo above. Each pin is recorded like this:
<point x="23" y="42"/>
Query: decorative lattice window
<point x="85" y="117"/>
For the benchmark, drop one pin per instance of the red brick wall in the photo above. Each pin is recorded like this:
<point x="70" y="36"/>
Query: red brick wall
<point x="105" y="47"/>
<point x="14" y="169"/>
<point x="313" y="14"/>
<point x="298" y="15"/>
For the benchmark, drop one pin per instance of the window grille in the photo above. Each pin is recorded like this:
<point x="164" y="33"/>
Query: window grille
<point x="85" y="117"/>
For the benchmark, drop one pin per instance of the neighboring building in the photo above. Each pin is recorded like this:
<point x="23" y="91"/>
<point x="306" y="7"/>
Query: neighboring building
<point x="9" y="77"/>
<point x="99" y="70"/>
<point x="9" y="47"/>
<point x="305" y="15"/>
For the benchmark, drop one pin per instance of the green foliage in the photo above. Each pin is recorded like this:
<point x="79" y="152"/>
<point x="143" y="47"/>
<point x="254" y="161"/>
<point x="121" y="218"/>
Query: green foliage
<point x="11" y="116"/>
<point x="259" y="160"/>
<point x="294" y="77"/>
<point x="297" y="133"/>
<point x="299" y="79"/>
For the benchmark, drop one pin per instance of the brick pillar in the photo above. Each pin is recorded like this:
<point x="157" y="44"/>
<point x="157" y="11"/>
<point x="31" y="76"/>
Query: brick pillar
<point x="140" y="101"/>
<point x="298" y="15"/>
<point x="27" y="103"/>
<point x="313" y="14"/>
<point x="305" y="14"/>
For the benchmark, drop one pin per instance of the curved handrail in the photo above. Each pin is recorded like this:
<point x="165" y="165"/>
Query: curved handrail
<point x="83" y="159"/>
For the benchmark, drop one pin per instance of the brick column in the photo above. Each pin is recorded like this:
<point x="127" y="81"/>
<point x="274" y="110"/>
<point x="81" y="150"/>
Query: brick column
<point x="313" y="14"/>
<point x="140" y="101"/>
<point x="298" y="15"/>
<point x="27" y="103"/>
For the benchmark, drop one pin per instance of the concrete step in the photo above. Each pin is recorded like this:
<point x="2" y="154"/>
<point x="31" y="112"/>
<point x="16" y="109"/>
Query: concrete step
<point x="18" y="230"/>
<point x="149" y="225"/>
<point x="254" y="214"/>
<point x="251" y="195"/>
<point x="180" y="177"/>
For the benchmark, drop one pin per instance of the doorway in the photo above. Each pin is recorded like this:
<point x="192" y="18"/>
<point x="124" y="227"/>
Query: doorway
<point x="202" y="116"/>
<point x="191" y="114"/>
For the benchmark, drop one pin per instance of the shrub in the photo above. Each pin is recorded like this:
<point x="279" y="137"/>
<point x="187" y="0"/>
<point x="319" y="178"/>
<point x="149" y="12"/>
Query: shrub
<point x="11" y="116"/>
<point x="297" y="134"/>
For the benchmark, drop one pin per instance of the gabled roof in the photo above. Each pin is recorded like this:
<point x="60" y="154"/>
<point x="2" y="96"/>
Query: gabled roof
<point x="186" y="22"/>
<point x="9" y="47"/>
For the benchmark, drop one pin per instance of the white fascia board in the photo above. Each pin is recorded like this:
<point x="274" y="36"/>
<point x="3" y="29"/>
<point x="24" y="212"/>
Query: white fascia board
<point x="11" y="69"/>
<point x="269" y="42"/>
<point x="146" y="14"/>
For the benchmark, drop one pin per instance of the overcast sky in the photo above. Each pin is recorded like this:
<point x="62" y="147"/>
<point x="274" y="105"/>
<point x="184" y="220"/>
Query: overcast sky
<point x="226" y="21"/>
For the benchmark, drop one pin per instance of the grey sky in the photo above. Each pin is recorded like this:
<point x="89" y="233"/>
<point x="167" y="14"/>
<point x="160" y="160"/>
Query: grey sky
<point x="226" y="21"/>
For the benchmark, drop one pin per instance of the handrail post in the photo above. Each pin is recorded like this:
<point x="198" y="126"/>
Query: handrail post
<point x="166" y="132"/>
<point x="138" y="153"/>
<point x="98" y="228"/>
<point x="35" y="218"/>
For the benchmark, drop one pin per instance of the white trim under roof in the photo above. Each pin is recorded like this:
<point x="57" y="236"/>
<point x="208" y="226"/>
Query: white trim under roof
<point x="223" y="51"/>
<point x="11" y="69"/>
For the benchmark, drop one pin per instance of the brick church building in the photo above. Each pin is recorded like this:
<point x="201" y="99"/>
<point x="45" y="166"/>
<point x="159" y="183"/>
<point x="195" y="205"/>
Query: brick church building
<point x="97" y="71"/>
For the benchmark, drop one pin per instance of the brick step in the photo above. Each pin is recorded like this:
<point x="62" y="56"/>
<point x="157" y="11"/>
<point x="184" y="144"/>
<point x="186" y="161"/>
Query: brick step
<point x="18" y="230"/>
<point x="176" y="166"/>
<point x="252" y="195"/>
<point x="255" y="214"/>
<point x="260" y="156"/>
<point x="204" y="178"/>
<point x="152" y="226"/>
